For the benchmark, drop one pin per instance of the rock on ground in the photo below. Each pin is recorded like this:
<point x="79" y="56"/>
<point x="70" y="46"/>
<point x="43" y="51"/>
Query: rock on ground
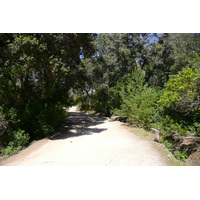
<point x="194" y="158"/>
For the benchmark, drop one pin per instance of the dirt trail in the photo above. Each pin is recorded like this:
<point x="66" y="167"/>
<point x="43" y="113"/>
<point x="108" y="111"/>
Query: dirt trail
<point x="88" y="140"/>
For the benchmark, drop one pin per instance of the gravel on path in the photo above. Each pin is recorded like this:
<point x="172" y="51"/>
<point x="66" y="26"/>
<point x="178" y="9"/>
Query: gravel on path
<point x="89" y="140"/>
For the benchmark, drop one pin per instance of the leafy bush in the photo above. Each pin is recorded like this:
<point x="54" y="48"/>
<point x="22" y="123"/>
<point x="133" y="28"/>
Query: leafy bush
<point x="195" y="128"/>
<point x="11" y="114"/>
<point x="141" y="108"/>
<point x="40" y="120"/>
<point x="139" y="101"/>
<point x="181" y="155"/>
<point x="181" y="104"/>
<point x="14" y="142"/>
<point x="170" y="126"/>
<point x="182" y="92"/>
<point x="167" y="144"/>
<point x="101" y="101"/>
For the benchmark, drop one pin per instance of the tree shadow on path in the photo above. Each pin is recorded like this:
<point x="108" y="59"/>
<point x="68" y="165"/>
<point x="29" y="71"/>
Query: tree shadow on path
<point x="78" y="124"/>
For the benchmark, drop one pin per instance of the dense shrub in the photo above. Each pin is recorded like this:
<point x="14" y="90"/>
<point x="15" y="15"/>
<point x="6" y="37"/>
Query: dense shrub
<point x="180" y="101"/>
<point x="42" y="120"/>
<point x="140" y="109"/>
<point x="170" y="126"/>
<point x="101" y="101"/>
<point x="182" y="92"/>
<point x="14" y="141"/>
<point x="138" y="101"/>
<point x="24" y="127"/>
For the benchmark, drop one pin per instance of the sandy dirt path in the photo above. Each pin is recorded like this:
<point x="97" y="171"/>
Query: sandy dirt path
<point x="88" y="140"/>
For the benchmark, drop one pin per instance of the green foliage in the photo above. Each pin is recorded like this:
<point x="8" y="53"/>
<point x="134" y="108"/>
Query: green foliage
<point x="116" y="56"/>
<point x="195" y="128"/>
<point x="167" y="144"/>
<point x="181" y="155"/>
<point x="42" y="120"/>
<point x="170" y="126"/>
<point x="181" y="103"/>
<point x="108" y="73"/>
<point x="182" y="92"/>
<point x="138" y="101"/>
<point x="10" y="114"/>
<point x="100" y="102"/>
<point x="159" y="59"/>
<point x="171" y="62"/>
<point x="14" y="142"/>
<point x="37" y="73"/>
